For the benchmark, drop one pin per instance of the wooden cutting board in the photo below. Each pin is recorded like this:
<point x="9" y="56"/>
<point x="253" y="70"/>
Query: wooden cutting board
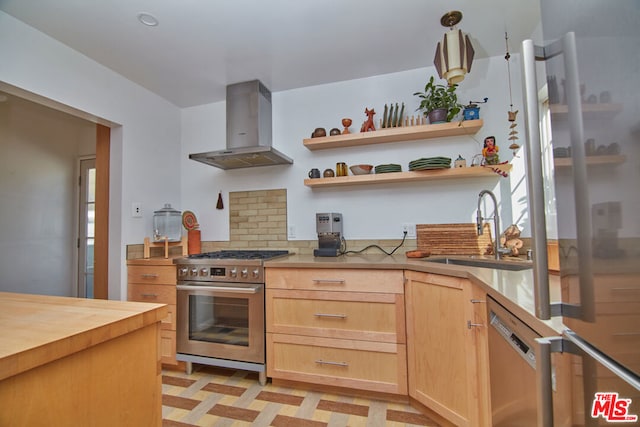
<point x="454" y="239"/>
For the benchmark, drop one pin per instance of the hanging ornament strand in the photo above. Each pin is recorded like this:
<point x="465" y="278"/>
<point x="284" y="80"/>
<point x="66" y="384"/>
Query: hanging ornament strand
<point x="507" y="56"/>
<point x="511" y="114"/>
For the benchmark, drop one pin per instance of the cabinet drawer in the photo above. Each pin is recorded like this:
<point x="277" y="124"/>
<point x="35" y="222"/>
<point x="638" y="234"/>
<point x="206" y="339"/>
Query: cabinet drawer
<point x="168" y="347"/>
<point x="340" y="279"/>
<point x="169" y="322"/>
<point x="158" y="294"/>
<point x="152" y="274"/>
<point x="152" y="293"/>
<point x="347" y="315"/>
<point x="363" y="365"/>
<point x="606" y="288"/>
<point x="617" y="332"/>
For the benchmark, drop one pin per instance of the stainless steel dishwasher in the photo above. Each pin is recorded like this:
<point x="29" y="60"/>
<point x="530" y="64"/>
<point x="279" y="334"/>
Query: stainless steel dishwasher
<point x="512" y="368"/>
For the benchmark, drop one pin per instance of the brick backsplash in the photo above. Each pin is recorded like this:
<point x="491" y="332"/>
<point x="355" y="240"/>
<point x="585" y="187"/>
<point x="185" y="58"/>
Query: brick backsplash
<point x="258" y="220"/>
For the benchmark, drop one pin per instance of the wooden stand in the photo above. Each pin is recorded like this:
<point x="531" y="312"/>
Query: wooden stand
<point x="166" y="244"/>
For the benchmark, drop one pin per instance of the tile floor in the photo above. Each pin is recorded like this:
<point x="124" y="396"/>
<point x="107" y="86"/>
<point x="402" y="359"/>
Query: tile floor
<point x="220" y="397"/>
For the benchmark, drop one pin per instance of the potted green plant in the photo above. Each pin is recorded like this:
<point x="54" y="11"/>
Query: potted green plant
<point x="439" y="102"/>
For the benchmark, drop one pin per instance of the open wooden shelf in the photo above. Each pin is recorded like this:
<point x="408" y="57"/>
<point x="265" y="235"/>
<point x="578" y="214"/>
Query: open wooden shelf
<point x="381" y="136"/>
<point x="565" y="162"/>
<point x="398" y="177"/>
<point x="588" y="110"/>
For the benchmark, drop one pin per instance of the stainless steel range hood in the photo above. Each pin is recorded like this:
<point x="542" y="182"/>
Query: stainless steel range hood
<point x="248" y="130"/>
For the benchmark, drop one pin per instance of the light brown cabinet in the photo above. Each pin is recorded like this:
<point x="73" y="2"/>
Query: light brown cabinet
<point x="155" y="281"/>
<point x="343" y="327"/>
<point x="447" y="348"/>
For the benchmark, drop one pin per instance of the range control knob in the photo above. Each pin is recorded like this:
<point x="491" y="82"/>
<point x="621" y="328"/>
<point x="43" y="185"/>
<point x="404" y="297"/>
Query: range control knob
<point x="244" y="273"/>
<point x="193" y="272"/>
<point x="204" y="272"/>
<point x="255" y="273"/>
<point x="182" y="271"/>
<point x="233" y="272"/>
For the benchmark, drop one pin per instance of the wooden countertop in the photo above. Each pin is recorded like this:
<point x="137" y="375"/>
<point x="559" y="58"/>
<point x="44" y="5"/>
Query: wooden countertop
<point x="512" y="289"/>
<point x="38" y="329"/>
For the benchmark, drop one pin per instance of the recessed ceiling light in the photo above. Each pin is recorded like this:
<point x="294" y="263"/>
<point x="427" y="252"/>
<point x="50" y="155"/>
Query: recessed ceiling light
<point x="148" y="19"/>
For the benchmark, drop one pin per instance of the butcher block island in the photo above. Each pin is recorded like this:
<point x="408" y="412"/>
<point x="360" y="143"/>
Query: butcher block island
<point x="70" y="361"/>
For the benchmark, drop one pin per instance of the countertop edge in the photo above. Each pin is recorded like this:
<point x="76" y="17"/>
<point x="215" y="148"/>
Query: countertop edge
<point x="125" y="317"/>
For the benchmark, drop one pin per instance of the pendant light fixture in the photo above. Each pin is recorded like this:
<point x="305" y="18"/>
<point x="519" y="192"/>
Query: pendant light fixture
<point x="454" y="54"/>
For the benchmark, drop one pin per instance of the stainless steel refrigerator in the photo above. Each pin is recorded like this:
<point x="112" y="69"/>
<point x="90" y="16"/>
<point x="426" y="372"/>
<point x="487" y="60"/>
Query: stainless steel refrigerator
<point x="582" y="95"/>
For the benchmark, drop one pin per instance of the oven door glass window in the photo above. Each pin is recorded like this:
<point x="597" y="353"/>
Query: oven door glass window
<point x="217" y="319"/>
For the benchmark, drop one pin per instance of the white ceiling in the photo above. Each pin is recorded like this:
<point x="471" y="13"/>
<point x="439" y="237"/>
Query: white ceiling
<point x="201" y="46"/>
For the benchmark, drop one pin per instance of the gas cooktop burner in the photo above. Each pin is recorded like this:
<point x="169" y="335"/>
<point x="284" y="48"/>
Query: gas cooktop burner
<point x="240" y="254"/>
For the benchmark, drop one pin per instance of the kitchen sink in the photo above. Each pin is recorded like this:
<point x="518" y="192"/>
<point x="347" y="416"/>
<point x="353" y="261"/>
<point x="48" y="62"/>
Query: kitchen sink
<point x="484" y="263"/>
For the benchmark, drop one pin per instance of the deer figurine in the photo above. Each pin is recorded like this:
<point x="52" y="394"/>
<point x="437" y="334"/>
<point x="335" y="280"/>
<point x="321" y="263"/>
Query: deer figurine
<point x="368" y="124"/>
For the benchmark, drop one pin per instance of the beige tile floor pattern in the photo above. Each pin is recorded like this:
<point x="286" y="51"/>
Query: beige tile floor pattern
<point x="218" y="397"/>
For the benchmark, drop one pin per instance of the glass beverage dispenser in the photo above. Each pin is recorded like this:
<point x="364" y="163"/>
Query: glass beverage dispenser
<point x="167" y="224"/>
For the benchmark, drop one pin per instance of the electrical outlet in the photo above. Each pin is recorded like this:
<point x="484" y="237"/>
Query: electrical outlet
<point x="410" y="228"/>
<point x="291" y="232"/>
<point x="136" y="210"/>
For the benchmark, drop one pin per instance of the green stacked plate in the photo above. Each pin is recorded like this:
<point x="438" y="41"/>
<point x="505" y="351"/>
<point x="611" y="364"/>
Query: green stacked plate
<point x="391" y="167"/>
<point x="430" y="163"/>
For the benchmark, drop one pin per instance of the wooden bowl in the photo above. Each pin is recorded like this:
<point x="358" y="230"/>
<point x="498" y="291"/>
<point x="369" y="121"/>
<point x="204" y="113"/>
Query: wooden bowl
<point x="361" y="169"/>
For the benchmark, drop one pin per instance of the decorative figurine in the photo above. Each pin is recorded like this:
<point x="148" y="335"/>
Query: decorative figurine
<point x="510" y="239"/>
<point x="368" y="124"/>
<point x="490" y="151"/>
<point x="460" y="162"/>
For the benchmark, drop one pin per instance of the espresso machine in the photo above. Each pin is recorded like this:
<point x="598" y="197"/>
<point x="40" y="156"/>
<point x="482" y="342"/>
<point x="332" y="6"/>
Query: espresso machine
<point x="329" y="229"/>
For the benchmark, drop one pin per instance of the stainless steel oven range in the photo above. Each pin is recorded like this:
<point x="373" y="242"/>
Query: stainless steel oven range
<point x="220" y="309"/>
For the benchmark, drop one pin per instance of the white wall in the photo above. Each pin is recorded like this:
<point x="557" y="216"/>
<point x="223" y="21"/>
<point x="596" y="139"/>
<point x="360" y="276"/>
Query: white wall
<point x="145" y="140"/>
<point x="375" y="211"/>
<point x="38" y="186"/>
<point x="151" y="139"/>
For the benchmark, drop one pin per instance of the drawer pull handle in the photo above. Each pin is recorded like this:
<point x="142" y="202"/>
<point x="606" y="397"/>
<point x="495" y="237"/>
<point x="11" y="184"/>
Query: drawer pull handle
<point x="150" y="276"/>
<point x="336" y="316"/>
<point x="330" y="281"/>
<point x="471" y="325"/>
<point x="327" y="362"/>
<point x="149" y="295"/>
<point x="477" y="301"/>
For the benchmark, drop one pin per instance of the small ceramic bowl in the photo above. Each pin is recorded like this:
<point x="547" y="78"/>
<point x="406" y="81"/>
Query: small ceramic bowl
<point x="361" y="169"/>
<point x="319" y="132"/>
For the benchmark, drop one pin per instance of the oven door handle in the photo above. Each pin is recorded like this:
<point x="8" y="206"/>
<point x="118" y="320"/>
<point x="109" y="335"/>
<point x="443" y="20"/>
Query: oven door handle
<point x="235" y="289"/>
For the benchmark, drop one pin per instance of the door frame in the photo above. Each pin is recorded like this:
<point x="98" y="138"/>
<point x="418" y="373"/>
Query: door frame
<point x="80" y="223"/>
<point x="101" y="246"/>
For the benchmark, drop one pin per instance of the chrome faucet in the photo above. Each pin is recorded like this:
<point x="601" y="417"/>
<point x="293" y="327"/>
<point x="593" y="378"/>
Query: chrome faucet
<point x="497" y="250"/>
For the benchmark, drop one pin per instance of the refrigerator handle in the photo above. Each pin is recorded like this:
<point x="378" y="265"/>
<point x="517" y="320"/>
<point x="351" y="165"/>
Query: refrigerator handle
<point x="580" y="183"/>
<point x="544" y="382"/>
<point x="535" y="183"/>
<point x="543" y="307"/>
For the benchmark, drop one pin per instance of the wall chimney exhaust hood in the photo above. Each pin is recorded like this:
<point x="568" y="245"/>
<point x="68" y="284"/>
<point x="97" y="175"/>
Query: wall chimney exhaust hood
<point x="248" y="130"/>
